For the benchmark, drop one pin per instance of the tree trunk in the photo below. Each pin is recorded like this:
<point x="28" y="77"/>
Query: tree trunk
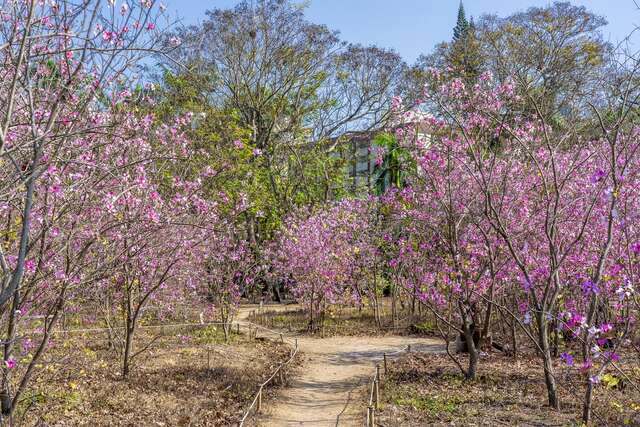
<point x="586" y="404"/>
<point x="226" y="325"/>
<point x="514" y="338"/>
<point x="414" y="297"/>
<point x="128" y="346"/>
<point x="549" y="378"/>
<point x="394" y="308"/>
<point x="5" y="393"/>
<point x="473" y="363"/>
<point x="474" y="354"/>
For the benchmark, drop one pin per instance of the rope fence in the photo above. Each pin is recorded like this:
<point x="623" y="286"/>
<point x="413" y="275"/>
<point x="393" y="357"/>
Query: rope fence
<point x="374" y="394"/>
<point x="256" y="403"/>
<point x="252" y="330"/>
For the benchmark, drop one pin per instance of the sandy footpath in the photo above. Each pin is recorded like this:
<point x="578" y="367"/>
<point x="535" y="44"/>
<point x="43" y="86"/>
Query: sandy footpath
<point x="324" y="391"/>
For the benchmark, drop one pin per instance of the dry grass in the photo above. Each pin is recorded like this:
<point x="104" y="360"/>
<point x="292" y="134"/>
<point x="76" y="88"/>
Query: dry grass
<point x="186" y="379"/>
<point x="427" y="389"/>
<point x="347" y="321"/>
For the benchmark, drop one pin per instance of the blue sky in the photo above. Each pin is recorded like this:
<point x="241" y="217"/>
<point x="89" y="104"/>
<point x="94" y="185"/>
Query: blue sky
<point x="412" y="27"/>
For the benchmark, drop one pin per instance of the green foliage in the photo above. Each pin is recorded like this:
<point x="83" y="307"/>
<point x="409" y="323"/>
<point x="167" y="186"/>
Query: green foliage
<point x="462" y="25"/>
<point x="212" y="334"/>
<point x="557" y="52"/>
<point x="426" y="327"/>
<point x="610" y="381"/>
<point x="397" y="163"/>
<point x="433" y="405"/>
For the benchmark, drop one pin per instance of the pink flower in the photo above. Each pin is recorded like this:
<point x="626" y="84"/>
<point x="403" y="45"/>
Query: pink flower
<point x="606" y="327"/>
<point x="10" y="363"/>
<point x="107" y="35"/>
<point x="30" y="265"/>
<point x="586" y="365"/>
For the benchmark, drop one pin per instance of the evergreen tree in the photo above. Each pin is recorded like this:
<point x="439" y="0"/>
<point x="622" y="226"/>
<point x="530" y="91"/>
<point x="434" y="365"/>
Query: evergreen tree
<point x="462" y="26"/>
<point x="463" y="54"/>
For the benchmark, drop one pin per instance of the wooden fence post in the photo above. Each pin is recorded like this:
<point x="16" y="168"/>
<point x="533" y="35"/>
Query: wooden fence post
<point x="371" y="417"/>
<point x="385" y="364"/>
<point x="409" y="348"/>
<point x="281" y="337"/>
<point x="238" y="328"/>
<point x="260" y="399"/>
<point x="376" y="386"/>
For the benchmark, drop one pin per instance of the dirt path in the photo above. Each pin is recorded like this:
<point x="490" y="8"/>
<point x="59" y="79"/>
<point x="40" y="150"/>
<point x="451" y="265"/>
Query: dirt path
<point x="325" y="391"/>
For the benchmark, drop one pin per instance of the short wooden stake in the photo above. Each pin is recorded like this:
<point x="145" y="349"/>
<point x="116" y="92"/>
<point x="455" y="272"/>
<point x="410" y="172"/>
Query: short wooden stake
<point x="385" y="363"/>
<point x="260" y="400"/>
<point x="376" y="385"/>
<point x="238" y="328"/>
<point x="371" y="417"/>
<point x="409" y="348"/>
<point x="208" y="358"/>
<point x="378" y="372"/>
<point x="281" y="337"/>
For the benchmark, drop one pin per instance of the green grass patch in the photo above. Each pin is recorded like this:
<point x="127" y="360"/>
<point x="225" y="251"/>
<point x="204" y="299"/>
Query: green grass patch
<point x="213" y="334"/>
<point x="434" y="405"/>
<point x="426" y="327"/>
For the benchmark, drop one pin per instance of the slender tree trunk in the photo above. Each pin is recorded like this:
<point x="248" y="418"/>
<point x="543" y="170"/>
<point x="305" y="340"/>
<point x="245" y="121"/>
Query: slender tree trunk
<point x="394" y="309"/>
<point x="5" y="393"/>
<point x="128" y="347"/>
<point x="486" y="326"/>
<point x="225" y="324"/>
<point x="414" y="297"/>
<point x="549" y="378"/>
<point x="514" y="339"/>
<point x="514" y="329"/>
<point x="474" y="354"/>
<point x="473" y="362"/>
<point x="587" y="403"/>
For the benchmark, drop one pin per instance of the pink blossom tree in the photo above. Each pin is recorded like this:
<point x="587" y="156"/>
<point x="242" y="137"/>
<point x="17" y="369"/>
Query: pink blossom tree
<point x="64" y="65"/>
<point x="552" y="197"/>
<point x="321" y="257"/>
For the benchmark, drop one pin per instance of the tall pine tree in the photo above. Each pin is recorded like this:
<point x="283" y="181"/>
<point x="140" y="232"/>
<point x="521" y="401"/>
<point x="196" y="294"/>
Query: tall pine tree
<point x="462" y="26"/>
<point x="463" y="54"/>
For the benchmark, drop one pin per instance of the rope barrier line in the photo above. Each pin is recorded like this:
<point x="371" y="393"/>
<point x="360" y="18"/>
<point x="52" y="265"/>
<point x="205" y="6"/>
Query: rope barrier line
<point x="374" y="394"/>
<point x="257" y="400"/>
<point x="85" y="330"/>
